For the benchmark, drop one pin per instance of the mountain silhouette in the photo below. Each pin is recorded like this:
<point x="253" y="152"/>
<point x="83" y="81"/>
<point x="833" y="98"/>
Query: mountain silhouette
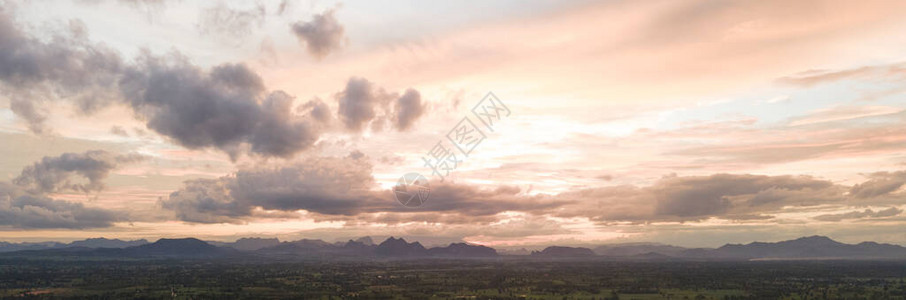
<point x="249" y="244"/>
<point x="812" y="247"/>
<point x="633" y="249"/>
<point x="186" y="247"/>
<point x="399" y="247"/>
<point x="462" y="250"/>
<point x="559" y="251"/>
<point x="107" y="243"/>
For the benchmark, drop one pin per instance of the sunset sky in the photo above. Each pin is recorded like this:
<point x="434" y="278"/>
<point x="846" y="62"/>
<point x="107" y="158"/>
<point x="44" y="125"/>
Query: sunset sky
<point x="693" y="123"/>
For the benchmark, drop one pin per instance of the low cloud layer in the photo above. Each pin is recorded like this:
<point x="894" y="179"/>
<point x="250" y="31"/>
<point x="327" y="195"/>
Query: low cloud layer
<point x="879" y="184"/>
<point x="693" y="198"/>
<point x="24" y="202"/>
<point x="321" y="35"/>
<point x="21" y="209"/>
<point x="868" y="213"/>
<point x="54" y="174"/>
<point x="338" y="189"/>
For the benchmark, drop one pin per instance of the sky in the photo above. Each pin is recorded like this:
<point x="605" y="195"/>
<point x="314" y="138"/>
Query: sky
<point x="693" y="123"/>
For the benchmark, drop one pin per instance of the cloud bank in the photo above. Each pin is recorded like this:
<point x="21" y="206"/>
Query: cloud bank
<point x="52" y="174"/>
<point x="24" y="202"/>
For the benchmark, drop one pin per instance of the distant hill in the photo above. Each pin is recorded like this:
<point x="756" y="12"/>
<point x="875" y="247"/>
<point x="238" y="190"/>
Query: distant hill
<point x="304" y="247"/>
<point x="637" y="249"/>
<point x="107" y="243"/>
<point x="187" y="247"/>
<point x="462" y="250"/>
<point x="88" y="243"/>
<point x="251" y="244"/>
<point x="363" y="248"/>
<point x="520" y="251"/>
<point x="558" y="251"/>
<point x="399" y="247"/>
<point x="813" y="247"/>
<point x="11" y="247"/>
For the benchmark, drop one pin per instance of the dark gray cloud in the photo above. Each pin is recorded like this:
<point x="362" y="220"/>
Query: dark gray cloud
<point x="362" y="104"/>
<point x="868" y="213"/>
<point x="879" y="184"/>
<point x="322" y="35"/>
<point x="53" y="174"/>
<point x="358" y="103"/>
<point x="21" y="209"/>
<point x="279" y="133"/>
<point x="67" y="66"/>
<point x="409" y="108"/>
<point x="225" y="108"/>
<point x="317" y="109"/>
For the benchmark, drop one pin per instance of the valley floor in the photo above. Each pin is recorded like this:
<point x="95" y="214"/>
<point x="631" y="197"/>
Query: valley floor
<point x="450" y="279"/>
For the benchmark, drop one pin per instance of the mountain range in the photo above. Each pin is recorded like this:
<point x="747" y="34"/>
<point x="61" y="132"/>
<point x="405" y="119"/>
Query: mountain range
<point x="813" y="247"/>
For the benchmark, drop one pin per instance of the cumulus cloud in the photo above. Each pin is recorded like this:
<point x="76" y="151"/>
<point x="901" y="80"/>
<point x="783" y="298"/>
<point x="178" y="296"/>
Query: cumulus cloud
<point x="279" y="133"/>
<point x="409" y="108"/>
<point x="317" y="109"/>
<point x="363" y="104"/>
<point x="224" y="108"/>
<point x="54" y="174"/>
<point x="321" y="35"/>
<point x="868" y="213"/>
<point x="66" y="66"/>
<point x="358" y="101"/>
